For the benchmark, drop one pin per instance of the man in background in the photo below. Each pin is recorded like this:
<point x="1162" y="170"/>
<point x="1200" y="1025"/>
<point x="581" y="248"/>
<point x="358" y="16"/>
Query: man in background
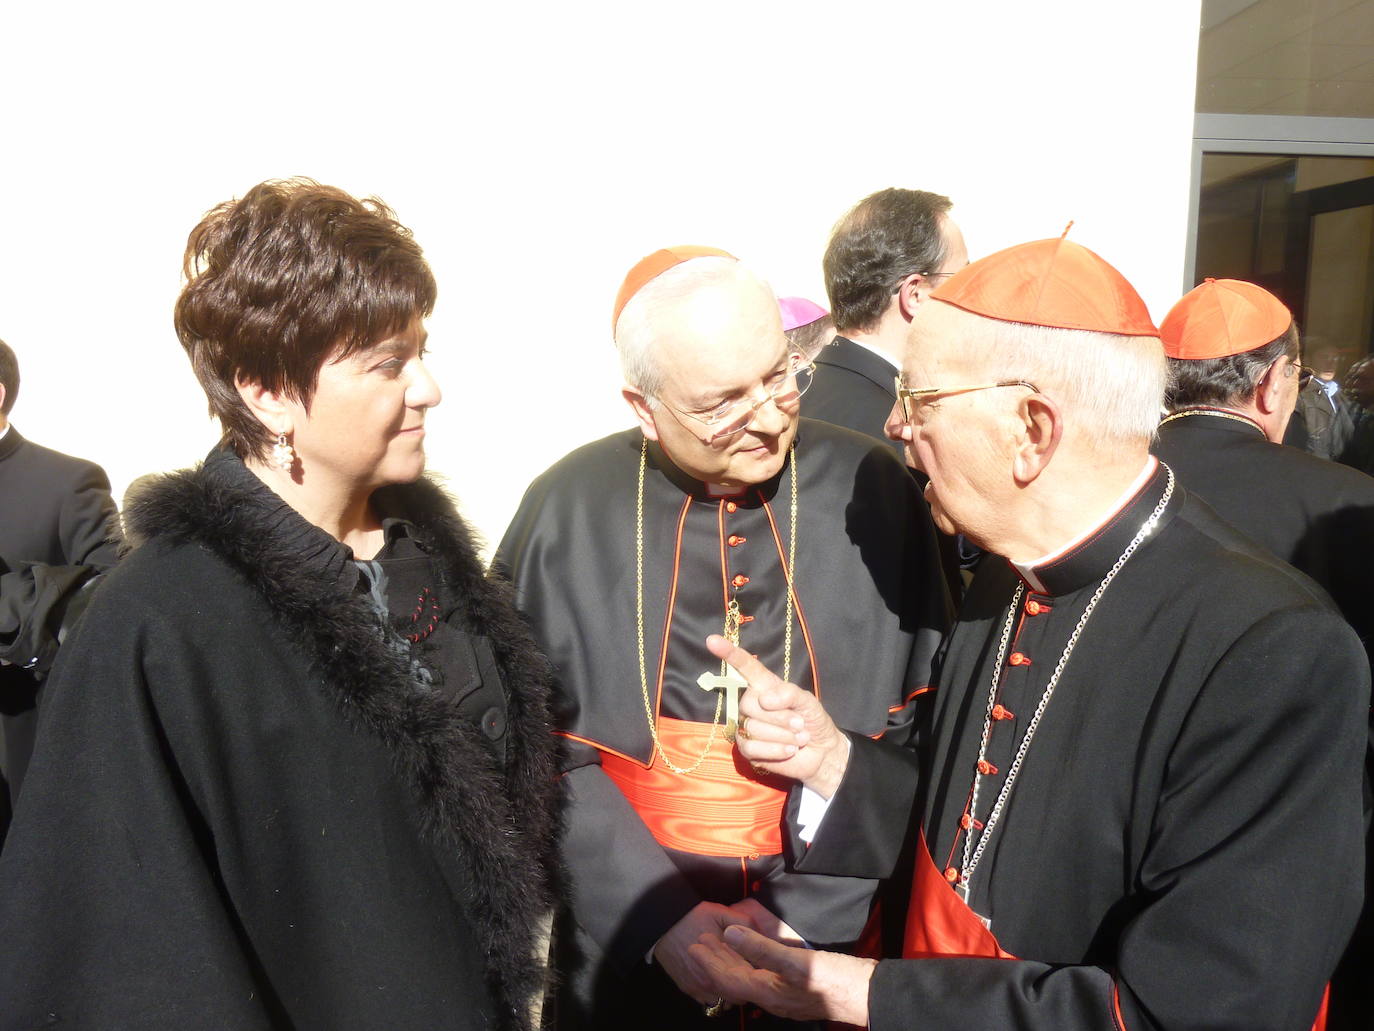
<point x="58" y="531"/>
<point x="884" y="258"/>
<point x="1322" y="423"/>
<point x="1234" y="360"/>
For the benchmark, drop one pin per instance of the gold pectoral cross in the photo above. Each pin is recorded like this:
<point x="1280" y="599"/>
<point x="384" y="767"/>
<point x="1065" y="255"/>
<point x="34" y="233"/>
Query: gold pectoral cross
<point x="731" y="683"/>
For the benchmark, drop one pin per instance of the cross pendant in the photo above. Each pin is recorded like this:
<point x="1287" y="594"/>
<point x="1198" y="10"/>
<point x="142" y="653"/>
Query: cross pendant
<point x="732" y="684"/>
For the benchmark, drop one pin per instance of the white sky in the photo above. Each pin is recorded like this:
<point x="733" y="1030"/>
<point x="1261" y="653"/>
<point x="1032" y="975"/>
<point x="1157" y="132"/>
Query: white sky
<point x="538" y="150"/>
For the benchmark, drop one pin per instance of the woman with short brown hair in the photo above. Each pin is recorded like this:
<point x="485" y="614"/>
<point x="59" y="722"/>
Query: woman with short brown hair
<point x="293" y="768"/>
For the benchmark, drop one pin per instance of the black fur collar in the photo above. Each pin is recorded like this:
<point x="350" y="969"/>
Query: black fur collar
<point x="501" y="822"/>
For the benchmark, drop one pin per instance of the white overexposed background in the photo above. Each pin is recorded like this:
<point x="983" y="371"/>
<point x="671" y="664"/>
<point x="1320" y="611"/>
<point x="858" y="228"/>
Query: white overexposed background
<point x="538" y="150"/>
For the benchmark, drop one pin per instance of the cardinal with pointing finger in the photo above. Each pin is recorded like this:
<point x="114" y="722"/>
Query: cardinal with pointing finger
<point x="1138" y="804"/>
<point x="721" y="511"/>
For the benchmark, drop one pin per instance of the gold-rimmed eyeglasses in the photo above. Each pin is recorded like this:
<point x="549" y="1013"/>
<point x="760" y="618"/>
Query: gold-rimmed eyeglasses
<point x="912" y="399"/>
<point x="734" y="417"/>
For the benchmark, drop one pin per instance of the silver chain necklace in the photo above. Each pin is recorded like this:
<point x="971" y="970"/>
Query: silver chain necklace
<point x="973" y="855"/>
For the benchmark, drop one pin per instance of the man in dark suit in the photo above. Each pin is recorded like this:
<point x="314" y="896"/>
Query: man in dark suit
<point x="883" y="260"/>
<point x="58" y="530"/>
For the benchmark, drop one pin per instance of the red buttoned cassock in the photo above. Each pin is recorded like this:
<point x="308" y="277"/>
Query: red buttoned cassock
<point x="644" y="844"/>
<point x="1182" y="847"/>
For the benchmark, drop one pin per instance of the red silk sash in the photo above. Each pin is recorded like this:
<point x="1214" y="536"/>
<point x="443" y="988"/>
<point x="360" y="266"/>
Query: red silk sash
<point x="721" y="808"/>
<point x="940" y="923"/>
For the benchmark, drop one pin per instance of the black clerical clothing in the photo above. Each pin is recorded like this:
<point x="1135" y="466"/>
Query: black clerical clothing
<point x="1314" y="514"/>
<point x="1317" y="515"/>
<point x="278" y="788"/>
<point x="854" y="388"/>
<point x="870" y="607"/>
<point x="58" y="529"/>
<point x="1183" y="845"/>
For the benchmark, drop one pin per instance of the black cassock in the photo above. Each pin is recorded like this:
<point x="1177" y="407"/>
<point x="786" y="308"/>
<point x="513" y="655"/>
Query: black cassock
<point x="869" y="614"/>
<point x="1183" y="846"/>
<point x="1319" y="516"/>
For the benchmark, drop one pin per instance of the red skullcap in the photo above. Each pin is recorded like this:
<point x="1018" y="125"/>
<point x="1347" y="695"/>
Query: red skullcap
<point x="655" y="265"/>
<point x="1223" y="317"/>
<point x="1055" y="283"/>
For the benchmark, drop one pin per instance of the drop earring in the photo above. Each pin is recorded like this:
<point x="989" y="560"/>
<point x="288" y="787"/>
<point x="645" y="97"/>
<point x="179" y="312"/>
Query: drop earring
<point x="282" y="455"/>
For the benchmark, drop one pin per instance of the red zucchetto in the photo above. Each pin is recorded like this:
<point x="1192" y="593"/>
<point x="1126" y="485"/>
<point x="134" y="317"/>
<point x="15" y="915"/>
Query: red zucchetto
<point x="1055" y="283"/>
<point x="655" y="265"/>
<point x="1223" y="317"/>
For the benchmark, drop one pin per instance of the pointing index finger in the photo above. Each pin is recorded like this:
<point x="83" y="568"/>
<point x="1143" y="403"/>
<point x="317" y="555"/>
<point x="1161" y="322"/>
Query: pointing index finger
<point x="751" y="669"/>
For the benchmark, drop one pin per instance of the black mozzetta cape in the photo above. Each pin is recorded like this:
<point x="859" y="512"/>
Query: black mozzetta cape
<point x="1182" y="848"/>
<point x="248" y="810"/>
<point x="871" y="608"/>
<point x="1316" y="514"/>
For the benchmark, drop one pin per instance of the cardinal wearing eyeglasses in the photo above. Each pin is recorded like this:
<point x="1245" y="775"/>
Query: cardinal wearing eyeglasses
<point x="1138" y="803"/>
<point x="721" y="512"/>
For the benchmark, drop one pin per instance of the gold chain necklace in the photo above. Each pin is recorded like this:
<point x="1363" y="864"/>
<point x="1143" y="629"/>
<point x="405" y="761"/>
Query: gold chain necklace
<point x="732" y="613"/>
<point x="1220" y="413"/>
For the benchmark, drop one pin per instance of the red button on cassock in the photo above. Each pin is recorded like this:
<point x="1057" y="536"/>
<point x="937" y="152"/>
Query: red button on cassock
<point x="951" y="875"/>
<point x="1000" y="713"/>
<point x="986" y="768"/>
<point x="735" y="540"/>
<point x="1017" y="659"/>
<point x="730" y="506"/>
<point x="1033" y="607"/>
<point x="739" y="580"/>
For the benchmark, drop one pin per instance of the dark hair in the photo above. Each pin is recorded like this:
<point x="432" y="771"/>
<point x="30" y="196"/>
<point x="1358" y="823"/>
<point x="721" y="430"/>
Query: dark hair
<point x="9" y="377"/>
<point x="1226" y="381"/>
<point x="883" y="239"/>
<point x="286" y="278"/>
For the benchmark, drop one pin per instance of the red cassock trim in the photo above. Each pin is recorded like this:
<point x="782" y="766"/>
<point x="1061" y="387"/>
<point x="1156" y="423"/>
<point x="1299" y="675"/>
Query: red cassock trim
<point x="940" y="923"/>
<point x="721" y="808"/>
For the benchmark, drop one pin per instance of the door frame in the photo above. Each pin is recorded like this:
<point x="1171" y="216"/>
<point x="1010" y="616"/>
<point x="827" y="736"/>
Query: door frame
<point x="1283" y="135"/>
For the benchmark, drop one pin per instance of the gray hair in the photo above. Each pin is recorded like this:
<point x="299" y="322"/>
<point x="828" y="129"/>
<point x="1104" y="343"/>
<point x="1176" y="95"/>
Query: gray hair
<point x="646" y="315"/>
<point x="1231" y="379"/>
<point x="1113" y="384"/>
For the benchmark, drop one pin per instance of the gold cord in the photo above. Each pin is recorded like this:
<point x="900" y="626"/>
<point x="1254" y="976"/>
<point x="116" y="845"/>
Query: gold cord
<point x="732" y="613"/>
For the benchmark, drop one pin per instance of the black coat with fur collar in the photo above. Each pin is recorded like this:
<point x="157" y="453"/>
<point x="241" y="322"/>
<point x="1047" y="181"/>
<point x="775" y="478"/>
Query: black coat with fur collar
<point x="246" y="811"/>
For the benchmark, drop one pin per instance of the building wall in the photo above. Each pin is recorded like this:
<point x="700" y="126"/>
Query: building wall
<point x="537" y="150"/>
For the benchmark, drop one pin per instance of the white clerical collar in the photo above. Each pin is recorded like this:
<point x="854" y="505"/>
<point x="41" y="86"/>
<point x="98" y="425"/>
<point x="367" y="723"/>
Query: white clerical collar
<point x="1027" y="569"/>
<point x="881" y="354"/>
<point x="4" y="431"/>
<point x="720" y="490"/>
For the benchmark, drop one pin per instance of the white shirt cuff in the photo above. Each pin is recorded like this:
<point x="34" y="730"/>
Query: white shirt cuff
<point x="810" y="812"/>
